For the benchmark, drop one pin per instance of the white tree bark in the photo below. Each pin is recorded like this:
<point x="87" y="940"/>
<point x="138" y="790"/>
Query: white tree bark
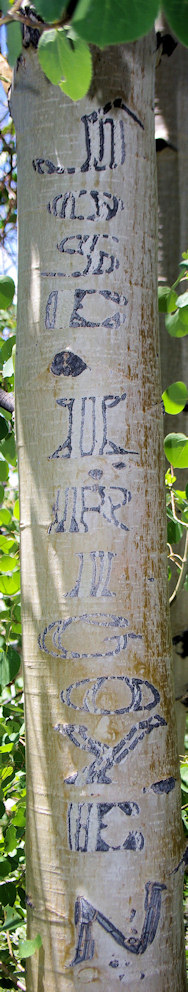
<point x="104" y="836"/>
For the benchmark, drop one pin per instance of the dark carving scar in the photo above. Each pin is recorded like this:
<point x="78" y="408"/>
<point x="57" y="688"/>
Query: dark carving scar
<point x="123" y="106"/>
<point x="66" y="363"/>
<point x="95" y="473"/>
<point x="166" y="785"/>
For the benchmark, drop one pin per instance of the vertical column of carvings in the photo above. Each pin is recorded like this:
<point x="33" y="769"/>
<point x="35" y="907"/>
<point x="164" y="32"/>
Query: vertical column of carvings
<point x="101" y="756"/>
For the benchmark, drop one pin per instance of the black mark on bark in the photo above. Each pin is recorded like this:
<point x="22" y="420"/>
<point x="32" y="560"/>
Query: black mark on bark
<point x="66" y="363"/>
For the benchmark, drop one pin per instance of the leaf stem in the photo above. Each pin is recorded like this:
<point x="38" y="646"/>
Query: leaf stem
<point x="182" y="574"/>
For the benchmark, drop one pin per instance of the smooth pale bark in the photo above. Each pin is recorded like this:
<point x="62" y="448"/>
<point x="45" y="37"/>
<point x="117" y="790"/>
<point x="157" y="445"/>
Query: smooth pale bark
<point x="104" y="835"/>
<point x="172" y="174"/>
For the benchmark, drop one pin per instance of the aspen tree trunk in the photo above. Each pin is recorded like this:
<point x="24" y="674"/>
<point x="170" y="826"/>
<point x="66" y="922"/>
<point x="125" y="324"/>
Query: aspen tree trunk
<point x="104" y="836"/>
<point x="172" y="174"/>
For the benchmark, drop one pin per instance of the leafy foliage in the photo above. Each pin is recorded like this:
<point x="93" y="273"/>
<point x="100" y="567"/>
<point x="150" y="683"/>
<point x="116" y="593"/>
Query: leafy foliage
<point x="66" y="60"/>
<point x="176" y="13"/>
<point x="50" y="10"/>
<point x="176" y="446"/>
<point x="13" y="946"/>
<point x="175" y="396"/>
<point x="64" y="56"/>
<point x="112" y="23"/>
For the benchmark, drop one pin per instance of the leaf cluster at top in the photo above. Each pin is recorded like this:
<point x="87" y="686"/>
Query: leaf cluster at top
<point x="67" y="27"/>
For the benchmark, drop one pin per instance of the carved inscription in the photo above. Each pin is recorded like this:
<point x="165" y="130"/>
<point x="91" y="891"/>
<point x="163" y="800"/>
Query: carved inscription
<point x="104" y="141"/>
<point x="106" y="757"/>
<point x="86" y="914"/>
<point x="92" y="426"/>
<point x="101" y="564"/>
<point x="109" y="308"/>
<point x="87" y="429"/>
<point x="86" y="205"/>
<point x="96" y="260"/>
<point x="90" y="827"/>
<point x="60" y="637"/>
<point x="87" y="691"/>
<point x="74" y="505"/>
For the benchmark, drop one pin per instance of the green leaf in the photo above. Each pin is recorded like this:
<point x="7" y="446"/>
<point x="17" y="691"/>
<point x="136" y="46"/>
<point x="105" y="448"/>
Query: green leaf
<point x="184" y="516"/>
<point x="7" y="893"/>
<point x="184" y="265"/>
<point x="175" y="397"/>
<point x="184" y="774"/>
<point x="174" y="529"/>
<point x="176" y="450"/>
<point x="6" y="543"/>
<point x="10" y="840"/>
<point x="8" y="368"/>
<point x="3" y="427"/>
<point x="7" y="290"/>
<point x="6" y="350"/>
<point x="177" y="323"/>
<point x="9" y="665"/>
<point x="50" y="10"/>
<point x="9" y="584"/>
<point x="8" y="449"/>
<point x="182" y="301"/>
<point x="186" y="491"/>
<point x="4" y="469"/>
<point x="11" y="924"/>
<point x="8" y="563"/>
<point x="16" y="510"/>
<point x="5" y="517"/>
<point x="177" y="16"/>
<point x="14" y="42"/>
<point x="166" y="299"/>
<point x="28" y="947"/>
<point x="110" y="23"/>
<point x="2" y="493"/>
<point x="5" y="867"/>
<point x="66" y="60"/>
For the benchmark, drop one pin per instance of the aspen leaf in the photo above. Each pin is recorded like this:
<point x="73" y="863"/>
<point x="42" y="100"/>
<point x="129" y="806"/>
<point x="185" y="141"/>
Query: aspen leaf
<point x="177" y="16"/>
<point x="7" y="893"/>
<point x="28" y="947"/>
<point x="14" y="42"/>
<point x="3" y="427"/>
<point x="177" y="323"/>
<point x="66" y="61"/>
<point x="5" y="517"/>
<point x="176" y="450"/>
<point x="8" y="563"/>
<point x="182" y="301"/>
<point x="9" y="584"/>
<point x="3" y="469"/>
<point x="50" y="10"/>
<point x="175" y="397"/>
<point x="166" y="299"/>
<point x="109" y="23"/>
<point x="7" y="290"/>
<point x="9" y="665"/>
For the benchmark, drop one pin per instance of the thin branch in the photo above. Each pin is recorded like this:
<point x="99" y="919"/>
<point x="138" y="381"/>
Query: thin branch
<point x="182" y="574"/>
<point x="8" y="974"/>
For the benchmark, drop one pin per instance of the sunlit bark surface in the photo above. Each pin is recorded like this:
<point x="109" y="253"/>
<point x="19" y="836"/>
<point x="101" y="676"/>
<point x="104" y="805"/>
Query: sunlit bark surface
<point x="104" y="837"/>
